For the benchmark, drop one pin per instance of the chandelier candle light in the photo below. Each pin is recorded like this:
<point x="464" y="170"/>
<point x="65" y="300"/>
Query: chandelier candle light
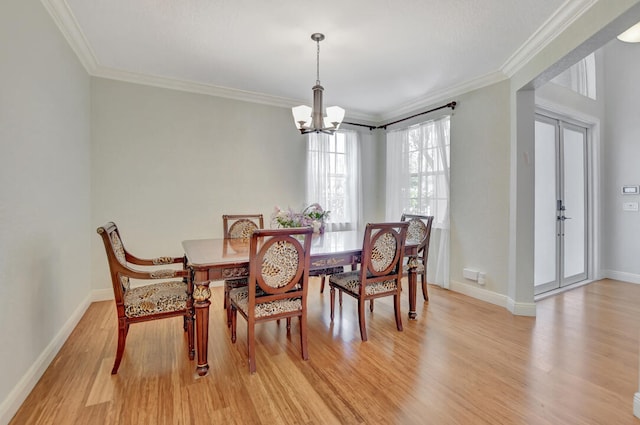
<point x="314" y="120"/>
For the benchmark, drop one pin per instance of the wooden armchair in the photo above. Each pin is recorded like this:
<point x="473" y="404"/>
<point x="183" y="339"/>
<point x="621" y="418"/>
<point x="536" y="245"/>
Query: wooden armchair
<point x="238" y="226"/>
<point x="278" y="275"/>
<point x="150" y="302"/>
<point x="420" y="230"/>
<point x="380" y="271"/>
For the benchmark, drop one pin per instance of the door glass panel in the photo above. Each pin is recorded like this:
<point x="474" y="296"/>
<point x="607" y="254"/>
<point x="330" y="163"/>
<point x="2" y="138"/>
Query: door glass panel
<point x="574" y="202"/>
<point x="545" y="249"/>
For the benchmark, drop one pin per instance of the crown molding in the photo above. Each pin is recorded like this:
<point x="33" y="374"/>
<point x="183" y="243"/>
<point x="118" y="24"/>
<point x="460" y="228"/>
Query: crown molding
<point x="443" y="95"/>
<point x="207" y="89"/>
<point x="192" y="87"/>
<point x="547" y="32"/>
<point x="68" y="25"/>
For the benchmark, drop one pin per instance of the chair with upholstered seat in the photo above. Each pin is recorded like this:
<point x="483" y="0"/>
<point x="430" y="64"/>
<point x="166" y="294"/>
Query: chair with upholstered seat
<point x="277" y="288"/>
<point x="420" y="230"/>
<point x="149" y="302"/>
<point x="380" y="271"/>
<point x="238" y="226"/>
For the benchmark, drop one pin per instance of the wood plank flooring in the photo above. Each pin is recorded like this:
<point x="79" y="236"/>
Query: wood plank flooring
<point x="462" y="362"/>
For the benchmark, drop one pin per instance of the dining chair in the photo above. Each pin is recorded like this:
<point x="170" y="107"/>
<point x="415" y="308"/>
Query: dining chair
<point x="152" y="301"/>
<point x="380" y="271"/>
<point x="238" y="226"/>
<point x="279" y="262"/>
<point x="420" y="230"/>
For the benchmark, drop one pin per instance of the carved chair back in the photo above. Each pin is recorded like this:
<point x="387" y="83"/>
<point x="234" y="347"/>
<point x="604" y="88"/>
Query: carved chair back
<point x="419" y="230"/>
<point x="382" y="254"/>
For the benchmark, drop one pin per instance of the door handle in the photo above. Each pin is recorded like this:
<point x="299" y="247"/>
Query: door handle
<point x="563" y="218"/>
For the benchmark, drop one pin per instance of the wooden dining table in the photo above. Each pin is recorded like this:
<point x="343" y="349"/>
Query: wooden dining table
<point x="220" y="259"/>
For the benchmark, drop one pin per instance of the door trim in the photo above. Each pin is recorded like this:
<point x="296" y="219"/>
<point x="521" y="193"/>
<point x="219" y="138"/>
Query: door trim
<point x="593" y="125"/>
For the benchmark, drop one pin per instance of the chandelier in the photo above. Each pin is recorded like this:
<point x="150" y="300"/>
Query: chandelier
<point x="314" y="120"/>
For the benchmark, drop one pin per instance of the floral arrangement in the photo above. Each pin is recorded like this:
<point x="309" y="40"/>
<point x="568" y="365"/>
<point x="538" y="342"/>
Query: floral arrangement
<point x="313" y="216"/>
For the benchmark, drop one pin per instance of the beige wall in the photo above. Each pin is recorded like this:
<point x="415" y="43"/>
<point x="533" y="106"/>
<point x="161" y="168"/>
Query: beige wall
<point x="44" y="196"/>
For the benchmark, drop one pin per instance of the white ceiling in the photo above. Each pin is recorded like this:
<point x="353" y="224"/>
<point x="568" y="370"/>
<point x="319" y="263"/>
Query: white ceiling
<point x="380" y="58"/>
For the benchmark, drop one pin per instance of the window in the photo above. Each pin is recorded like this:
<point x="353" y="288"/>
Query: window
<point x="333" y="165"/>
<point x="418" y="171"/>
<point x="581" y="77"/>
<point x="418" y="183"/>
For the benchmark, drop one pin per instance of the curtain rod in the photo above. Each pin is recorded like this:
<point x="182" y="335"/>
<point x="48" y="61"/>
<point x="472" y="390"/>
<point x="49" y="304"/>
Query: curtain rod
<point x="451" y="105"/>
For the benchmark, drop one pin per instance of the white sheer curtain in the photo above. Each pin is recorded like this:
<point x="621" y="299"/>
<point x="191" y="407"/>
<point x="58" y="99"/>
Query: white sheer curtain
<point x="398" y="178"/>
<point x="418" y="181"/>
<point x="333" y="177"/>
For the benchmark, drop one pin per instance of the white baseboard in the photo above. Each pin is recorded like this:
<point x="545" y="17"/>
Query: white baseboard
<point x="623" y="276"/>
<point x="636" y="405"/>
<point x="478" y="293"/>
<point x="519" y="309"/>
<point x="18" y="395"/>
<point x="101" y="295"/>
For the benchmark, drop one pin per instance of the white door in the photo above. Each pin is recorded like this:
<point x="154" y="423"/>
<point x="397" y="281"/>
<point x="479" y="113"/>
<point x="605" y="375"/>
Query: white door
<point x="561" y="191"/>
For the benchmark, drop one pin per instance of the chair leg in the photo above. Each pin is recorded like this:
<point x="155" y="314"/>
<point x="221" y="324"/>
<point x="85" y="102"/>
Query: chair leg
<point x="363" y="326"/>
<point x="322" y="278"/>
<point x="425" y="293"/>
<point x="333" y="301"/>
<point x="251" y="345"/>
<point x="288" y="324"/>
<point x="371" y="305"/>
<point x="303" y="336"/>
<point x="234" y="321"/>
<point x="396" y="308"/>
<point x="340" y="297"/>
<point x="122" y="337"/>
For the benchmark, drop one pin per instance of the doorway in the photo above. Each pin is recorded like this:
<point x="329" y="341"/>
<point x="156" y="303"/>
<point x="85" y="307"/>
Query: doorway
<point x="561" y="203"/>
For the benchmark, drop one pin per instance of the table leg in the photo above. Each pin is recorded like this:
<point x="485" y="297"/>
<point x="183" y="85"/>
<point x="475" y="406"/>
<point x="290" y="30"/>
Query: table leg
<point x="190" y="318"/>
<point x="201" y="295"/>
<point x="413" y="283"/>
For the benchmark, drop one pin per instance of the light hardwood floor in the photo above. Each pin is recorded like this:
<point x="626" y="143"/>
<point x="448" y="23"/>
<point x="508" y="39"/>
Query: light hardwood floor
<point x="462" y="362"/>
